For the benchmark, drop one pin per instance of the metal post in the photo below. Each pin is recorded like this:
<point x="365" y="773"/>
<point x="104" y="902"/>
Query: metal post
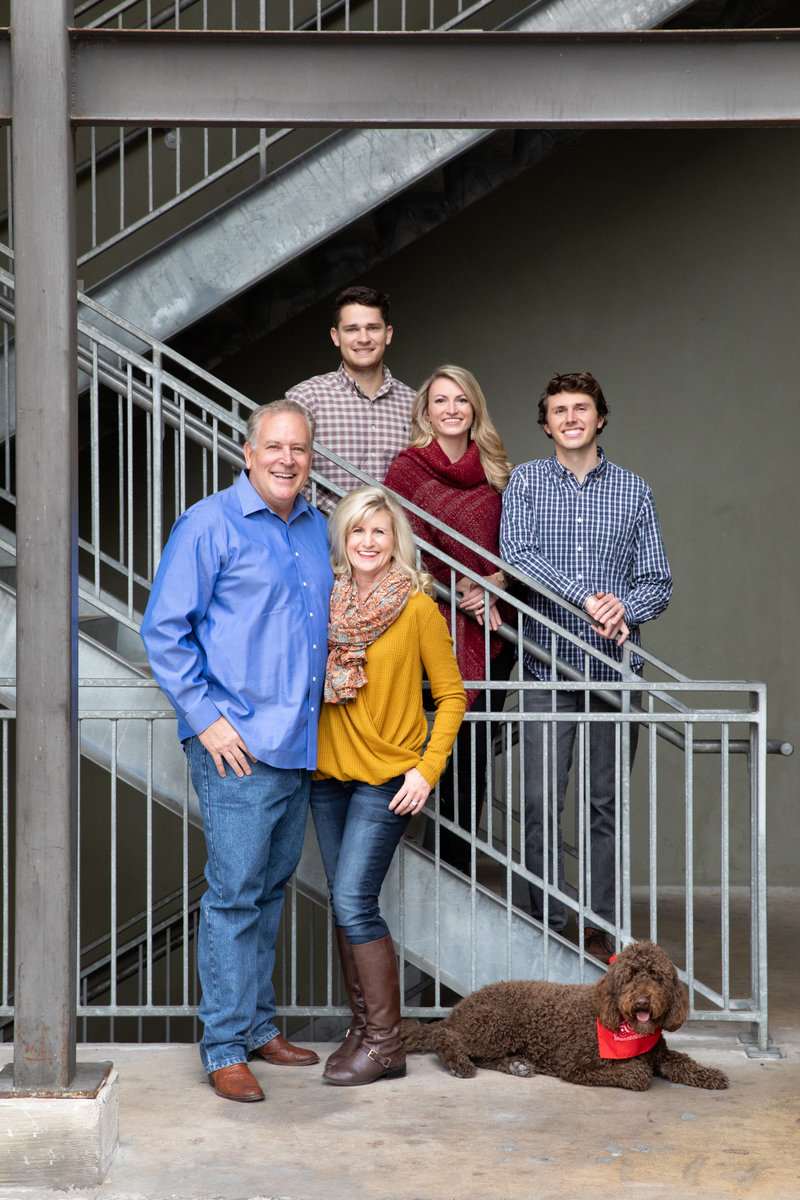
<point x="46" y="449"/>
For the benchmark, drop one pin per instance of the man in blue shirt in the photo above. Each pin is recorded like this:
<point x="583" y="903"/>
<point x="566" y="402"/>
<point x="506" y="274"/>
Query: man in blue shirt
<point x="587" y="530"/>
<point x="236" y="634"/>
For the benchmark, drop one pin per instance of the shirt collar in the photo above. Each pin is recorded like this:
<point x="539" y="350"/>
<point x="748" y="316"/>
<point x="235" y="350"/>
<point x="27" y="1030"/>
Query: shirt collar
<point x="388" y="380"/>
<point x="562" y="473"/>
<point x="251" y="502"/>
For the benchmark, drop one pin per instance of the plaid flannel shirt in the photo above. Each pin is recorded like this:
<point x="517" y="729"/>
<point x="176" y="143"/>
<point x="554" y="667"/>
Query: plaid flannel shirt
<point x="369" y="433"/>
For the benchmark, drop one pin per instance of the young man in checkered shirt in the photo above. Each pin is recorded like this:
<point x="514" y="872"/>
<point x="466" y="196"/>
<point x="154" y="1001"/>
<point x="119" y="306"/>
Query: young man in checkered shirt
<point x="363" y="413"/>
<point x="587" y="530"/>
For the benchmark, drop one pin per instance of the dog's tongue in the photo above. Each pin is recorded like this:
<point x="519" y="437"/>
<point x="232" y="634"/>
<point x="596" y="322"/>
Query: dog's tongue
<point x="644" y="1017"/>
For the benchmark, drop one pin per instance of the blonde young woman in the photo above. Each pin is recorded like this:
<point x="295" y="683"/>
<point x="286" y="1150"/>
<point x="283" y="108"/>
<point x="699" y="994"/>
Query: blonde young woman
<point x="456" y="468"/>
<point x="374" y="768"/>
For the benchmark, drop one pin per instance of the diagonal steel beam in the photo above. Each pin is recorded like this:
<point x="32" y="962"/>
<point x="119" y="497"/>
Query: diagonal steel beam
<point x="516" y="80"/>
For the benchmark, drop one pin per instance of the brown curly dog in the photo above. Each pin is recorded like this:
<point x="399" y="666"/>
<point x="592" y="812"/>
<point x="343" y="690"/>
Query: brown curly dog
<point x="522" y="1027"/>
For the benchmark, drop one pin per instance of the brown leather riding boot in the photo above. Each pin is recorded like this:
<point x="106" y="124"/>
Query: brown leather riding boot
<point x="380" y="1054"/>
<point x="355" y="997"/>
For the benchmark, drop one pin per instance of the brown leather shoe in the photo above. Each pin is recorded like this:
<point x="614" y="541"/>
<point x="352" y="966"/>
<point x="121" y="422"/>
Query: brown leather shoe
<point x="596" y="943"/>
<point x="236" y="1083"/>
<point x="281" y="1053"/>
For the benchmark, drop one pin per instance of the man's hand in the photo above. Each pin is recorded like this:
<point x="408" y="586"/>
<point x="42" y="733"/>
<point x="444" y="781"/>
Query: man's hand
<point x="412" y="795"/>
<point x="608" y="616"/>
<point x="225" y="746"/>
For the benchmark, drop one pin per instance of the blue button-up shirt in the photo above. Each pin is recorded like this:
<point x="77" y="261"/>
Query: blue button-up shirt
<point x="237" y="622"/>
<point x="578" y="539"/>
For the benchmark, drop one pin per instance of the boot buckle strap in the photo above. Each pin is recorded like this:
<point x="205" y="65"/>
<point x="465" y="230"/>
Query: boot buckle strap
<point x="376" y="1056"/>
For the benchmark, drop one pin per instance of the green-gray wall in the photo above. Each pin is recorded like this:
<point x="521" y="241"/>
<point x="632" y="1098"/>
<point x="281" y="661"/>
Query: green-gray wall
<point x="667" y="263"/>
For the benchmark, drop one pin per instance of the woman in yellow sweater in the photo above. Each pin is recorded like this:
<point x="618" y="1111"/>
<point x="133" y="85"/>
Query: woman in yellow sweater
<point x="374" y="769"/>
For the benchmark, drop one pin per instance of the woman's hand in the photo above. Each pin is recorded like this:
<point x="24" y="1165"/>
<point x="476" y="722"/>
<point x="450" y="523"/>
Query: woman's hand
<point x="473" y="600"/>
<point x="412" y="795"/>
<point x="464" y="587"/>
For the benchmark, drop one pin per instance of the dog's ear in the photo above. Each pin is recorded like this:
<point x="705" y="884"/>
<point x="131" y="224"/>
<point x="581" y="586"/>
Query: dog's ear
<point x="607" y="1005"/>
<point x="678" y="1008"/>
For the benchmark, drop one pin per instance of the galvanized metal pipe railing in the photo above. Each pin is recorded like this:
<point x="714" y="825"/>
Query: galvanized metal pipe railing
<point x="123" y="938"/>
<point x="202" y="416"/>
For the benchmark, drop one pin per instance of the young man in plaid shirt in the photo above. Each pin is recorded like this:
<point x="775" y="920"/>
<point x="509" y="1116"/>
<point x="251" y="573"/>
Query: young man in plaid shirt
<point x="587" y="530"/>
<point x="363" y="413"/>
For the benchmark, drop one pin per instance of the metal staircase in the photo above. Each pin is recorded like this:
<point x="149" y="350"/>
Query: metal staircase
<point x="160" y="434"/>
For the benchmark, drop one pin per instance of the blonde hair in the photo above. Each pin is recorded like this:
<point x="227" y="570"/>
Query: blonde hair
<point x="364" y="502"/>
<point x="494" y="461"/>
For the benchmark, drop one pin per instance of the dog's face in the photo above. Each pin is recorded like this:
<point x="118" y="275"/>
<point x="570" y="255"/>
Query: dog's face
<point x="642" y="988"/>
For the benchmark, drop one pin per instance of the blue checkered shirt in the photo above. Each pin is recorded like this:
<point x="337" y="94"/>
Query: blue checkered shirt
<point x="578" y="539"/>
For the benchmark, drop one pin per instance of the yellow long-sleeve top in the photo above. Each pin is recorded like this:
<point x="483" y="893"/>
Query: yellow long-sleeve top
<point x="382" y="731"/>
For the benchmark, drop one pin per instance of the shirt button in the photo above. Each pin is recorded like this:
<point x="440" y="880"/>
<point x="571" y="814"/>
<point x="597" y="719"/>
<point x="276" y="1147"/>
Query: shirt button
<point x="305" y="584"/>
<point x="314" y="646"/>
<point x="579" y="548"/>
<point x="580" y="577"/>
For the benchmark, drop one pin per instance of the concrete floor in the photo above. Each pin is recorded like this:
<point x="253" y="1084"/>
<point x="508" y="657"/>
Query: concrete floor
<point x="432" y="1137"/>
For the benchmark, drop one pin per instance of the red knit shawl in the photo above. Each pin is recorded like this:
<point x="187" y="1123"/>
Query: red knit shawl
<point x="459" y="495"/>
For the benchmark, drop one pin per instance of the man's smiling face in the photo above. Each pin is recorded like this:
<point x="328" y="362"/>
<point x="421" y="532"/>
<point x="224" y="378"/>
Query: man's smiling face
<point x="280" y="461"/>
<point x="362" y="336"/>
<point x="572" y="420"/>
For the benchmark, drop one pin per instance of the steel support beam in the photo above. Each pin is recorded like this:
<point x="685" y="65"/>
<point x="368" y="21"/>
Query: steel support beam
<point x="465" y="79"/>
<point x="47" y="578"/>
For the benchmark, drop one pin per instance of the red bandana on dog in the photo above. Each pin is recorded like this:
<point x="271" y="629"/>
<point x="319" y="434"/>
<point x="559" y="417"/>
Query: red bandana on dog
<point x="626" y="1043"/>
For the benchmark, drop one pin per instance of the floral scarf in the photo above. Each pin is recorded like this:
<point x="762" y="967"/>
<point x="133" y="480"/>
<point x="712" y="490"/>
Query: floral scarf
<point x="354" y="625"/>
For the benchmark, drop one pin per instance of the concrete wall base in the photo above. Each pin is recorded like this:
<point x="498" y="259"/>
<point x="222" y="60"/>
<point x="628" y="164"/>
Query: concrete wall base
<point x="59" y="1143"/>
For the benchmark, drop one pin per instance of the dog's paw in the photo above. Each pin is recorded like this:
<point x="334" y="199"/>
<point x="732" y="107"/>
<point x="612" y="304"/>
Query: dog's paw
<point x="711" y="1078"/>
<point x="464" y="1069"/>
<point x="521" y="1068"/>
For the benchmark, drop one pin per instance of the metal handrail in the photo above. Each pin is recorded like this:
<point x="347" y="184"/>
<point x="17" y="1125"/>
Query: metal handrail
<point x="114" y="366"/>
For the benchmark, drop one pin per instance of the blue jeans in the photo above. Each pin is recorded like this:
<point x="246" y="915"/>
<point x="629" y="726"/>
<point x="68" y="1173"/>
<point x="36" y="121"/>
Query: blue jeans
<point x="254" y="829"/>
<point x="601" y="745"/>
<point x="357" y="837"/>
